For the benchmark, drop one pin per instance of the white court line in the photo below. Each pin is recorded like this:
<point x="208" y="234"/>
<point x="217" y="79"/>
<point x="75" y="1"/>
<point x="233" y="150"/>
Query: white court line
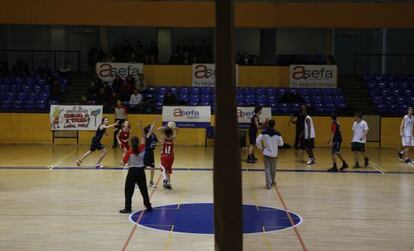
<point x="60" y="161"/>
<point x="377" y="167"/>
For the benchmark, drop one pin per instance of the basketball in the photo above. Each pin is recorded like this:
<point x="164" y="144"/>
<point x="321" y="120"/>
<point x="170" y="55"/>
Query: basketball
<point x="171" y="125"/>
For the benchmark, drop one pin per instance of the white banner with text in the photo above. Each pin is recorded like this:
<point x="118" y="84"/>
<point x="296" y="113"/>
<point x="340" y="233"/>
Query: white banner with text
<point x="245" y="114"/>
<point x="204" y="75"/>
<point x="108" y="70"/>
<point x="313" y="76"/>
<point x="75" y="117"/>
<point x="187" y="116"/>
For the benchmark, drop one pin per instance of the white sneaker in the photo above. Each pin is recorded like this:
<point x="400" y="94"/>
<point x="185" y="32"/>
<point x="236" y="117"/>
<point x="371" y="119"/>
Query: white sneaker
<point x="310" y="161"/>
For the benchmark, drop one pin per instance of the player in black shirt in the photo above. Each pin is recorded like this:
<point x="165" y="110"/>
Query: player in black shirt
<point x="299" y="120"/>
<point x="335" y="140"/>
<point x="254" y="127"/>
<point x="96" y="142"/>
<point x="151" y="142"/>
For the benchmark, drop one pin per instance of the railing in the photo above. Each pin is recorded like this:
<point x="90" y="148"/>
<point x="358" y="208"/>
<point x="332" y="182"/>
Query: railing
<point x="35" y="58"/>
<point x="383" y="63"/>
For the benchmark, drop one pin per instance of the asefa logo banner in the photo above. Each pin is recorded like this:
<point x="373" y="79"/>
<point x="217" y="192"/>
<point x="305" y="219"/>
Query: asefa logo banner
<point x="187" y="116"/>
<point x="313" y="76"/>
<point x="205" y="75"/>
<point x="108" y="71"/>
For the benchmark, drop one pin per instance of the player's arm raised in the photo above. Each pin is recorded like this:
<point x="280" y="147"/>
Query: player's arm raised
<point x="109" y="126"/>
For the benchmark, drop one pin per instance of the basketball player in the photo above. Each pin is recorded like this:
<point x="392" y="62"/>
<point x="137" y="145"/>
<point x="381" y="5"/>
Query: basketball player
<point x="406" y="133"/>
<point x="123" y="137"/>
<point x="359" y="138"/>
<point x="268" y="141"/>
<point x="299" y="121"/>
<point x="335" y="141"/>
<point x="96" y="142"/>
<point x="167" y="152"/>
<point x="151" y="142"/>
<point x="254" y="127"/>
<point x="136" y="175"/>
<point x="309" y="138"/>
<point x="121" y="114"/>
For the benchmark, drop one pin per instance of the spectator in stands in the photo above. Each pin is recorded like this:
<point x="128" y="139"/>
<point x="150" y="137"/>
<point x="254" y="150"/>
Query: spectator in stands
<point x="110" y="102"/>
<point x="92" y="53"/>
<point x="204" y="52"/>
<point x="20" y="67"/>
<point x="98" y="82"/>
<point x="91" y="92"/>
<point x="55" y="90"/>
<point x="238" y="58"/>
<point x="130" y="81"/>
<point x="117" y="83"/>
<point x="174" y="59"/>
<point x="108" y="90"/>
<point x="133" y="58"/>
<point x="44" y="69"/>
<point x="124" y="92"/>
<point x="169" y="99"/>
<point x="141" y="85"/>
<point x="245" y="59"/>
<point x="126" y="51"/>
<point x="135" y="101"/>
<point x="66" y="67"/>
<point x="3" y="68"/>
<point x="100" y="98"/>
<point x="153" y="53"/>
<point x="140" y="52"/>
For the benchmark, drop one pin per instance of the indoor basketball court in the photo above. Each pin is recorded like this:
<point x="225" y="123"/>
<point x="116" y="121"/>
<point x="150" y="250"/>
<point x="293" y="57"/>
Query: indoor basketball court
<point x="207" y="125"/>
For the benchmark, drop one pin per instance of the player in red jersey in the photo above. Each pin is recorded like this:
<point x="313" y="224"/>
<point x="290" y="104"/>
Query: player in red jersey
<point x="167" y="152"/>
<point x="123" y="137"/>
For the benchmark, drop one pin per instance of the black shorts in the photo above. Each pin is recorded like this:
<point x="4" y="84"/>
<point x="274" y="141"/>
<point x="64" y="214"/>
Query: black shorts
<point x="96" y="145"/>
<point x="149" y="159"/>
<point x="309" y="143"/>
<point x="358" y="147"/>
<point x="252" y="137"/>
<point x="336" y="147"/>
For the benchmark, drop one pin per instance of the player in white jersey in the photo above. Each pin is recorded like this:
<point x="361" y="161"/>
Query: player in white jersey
<point x="359" y="138"/>
<point x="309" y="138"/>
<point x="406" y="133"/>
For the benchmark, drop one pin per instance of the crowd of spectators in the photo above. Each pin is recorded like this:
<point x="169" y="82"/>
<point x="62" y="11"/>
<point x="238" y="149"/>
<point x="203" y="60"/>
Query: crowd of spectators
<point x="125" y="52"/>
<point x="129" y="91"/>
<point x="246" y="59"/>
<point x="190" y="53"/>
<point x="149" y="54"/>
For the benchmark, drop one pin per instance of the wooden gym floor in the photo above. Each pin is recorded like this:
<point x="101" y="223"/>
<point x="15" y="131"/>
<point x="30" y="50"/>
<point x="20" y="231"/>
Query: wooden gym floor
<point x="47" y="204"/>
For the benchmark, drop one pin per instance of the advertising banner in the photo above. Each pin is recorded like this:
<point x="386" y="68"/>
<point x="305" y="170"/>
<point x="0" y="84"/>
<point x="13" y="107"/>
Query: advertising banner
<point x="187" y="116"/>
<point x="313" y="76"/>
<point x="204" y="75"/>
<point x="75" y="117"/>
<point x="245" y="114"/>
<point x="107" y="70"/>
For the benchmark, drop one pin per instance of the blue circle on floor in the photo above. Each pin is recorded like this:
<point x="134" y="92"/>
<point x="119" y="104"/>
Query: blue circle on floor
<point x="198" y="218"/>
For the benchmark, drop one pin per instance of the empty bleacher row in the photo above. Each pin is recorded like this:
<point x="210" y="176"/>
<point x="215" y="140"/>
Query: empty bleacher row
<point x="31" y="93"/>
<point x="391" y="94"/>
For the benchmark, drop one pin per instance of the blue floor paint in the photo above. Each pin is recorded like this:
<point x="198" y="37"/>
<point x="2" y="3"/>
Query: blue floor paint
<point x="198" y="218"/>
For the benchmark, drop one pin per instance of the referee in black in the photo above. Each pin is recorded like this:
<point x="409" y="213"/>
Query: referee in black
<point x="136" y="175"/>
<point x="299" y="120"/>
